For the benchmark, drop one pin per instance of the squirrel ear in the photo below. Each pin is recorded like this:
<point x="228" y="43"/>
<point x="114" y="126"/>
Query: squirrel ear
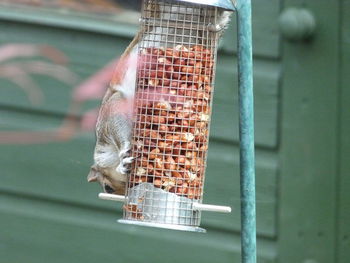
<point x="93" y="174"/>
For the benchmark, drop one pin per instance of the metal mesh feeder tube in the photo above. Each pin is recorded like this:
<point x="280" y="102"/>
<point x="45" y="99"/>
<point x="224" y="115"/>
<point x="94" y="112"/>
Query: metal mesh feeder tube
<point x="172" y="112"/>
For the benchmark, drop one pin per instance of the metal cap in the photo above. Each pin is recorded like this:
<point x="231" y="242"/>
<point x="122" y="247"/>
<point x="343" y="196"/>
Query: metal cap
<point x="225" y="4"/>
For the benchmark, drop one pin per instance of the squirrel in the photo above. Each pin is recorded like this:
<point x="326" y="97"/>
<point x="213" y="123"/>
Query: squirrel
<point x="114" y="124"/>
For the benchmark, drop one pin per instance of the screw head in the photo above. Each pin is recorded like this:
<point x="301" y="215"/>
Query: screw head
<point x="297" y="24"/>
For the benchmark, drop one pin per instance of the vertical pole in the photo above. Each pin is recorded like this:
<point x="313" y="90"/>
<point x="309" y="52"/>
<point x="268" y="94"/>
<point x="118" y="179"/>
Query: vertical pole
<point x="246" y="131"/>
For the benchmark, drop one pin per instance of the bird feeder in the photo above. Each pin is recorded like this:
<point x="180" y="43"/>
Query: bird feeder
<point x="172" y="112"/>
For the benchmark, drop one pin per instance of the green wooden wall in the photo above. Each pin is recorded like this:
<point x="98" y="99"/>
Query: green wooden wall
<point x="49" y="213"/>
<point x="343" y="183"/>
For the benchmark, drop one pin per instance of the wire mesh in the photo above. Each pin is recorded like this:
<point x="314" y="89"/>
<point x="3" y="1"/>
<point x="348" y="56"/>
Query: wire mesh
<point x="173" y="101"/>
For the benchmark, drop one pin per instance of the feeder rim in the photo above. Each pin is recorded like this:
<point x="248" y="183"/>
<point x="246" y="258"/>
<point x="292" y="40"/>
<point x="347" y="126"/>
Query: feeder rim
<point x="225" y="4"/>
<point x="166" y="226"/>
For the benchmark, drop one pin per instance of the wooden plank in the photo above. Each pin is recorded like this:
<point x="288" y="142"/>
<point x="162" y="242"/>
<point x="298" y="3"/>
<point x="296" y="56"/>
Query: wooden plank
<point x="127" y="21"/>
<point x="63" y="233"/>
<point x="86" y="59"/>
<point x="265" y="28"/>
<point x="86" y="55"/>
<point x="82" y="48"/>
<point x="266" y="39"/>
<point x="58" y="170"/>
<point x="266" y="92"/>
<point x="19" y="120"/>
<point x="307" y="223"/>
<point x="343" y="215"/>
<point x="222" y="187"/>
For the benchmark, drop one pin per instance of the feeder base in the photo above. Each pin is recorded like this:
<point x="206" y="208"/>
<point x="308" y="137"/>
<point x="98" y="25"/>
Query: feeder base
<point x="167" y="226"/>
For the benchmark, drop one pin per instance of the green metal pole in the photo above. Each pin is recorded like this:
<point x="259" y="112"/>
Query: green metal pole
<point x="246" y="131"/>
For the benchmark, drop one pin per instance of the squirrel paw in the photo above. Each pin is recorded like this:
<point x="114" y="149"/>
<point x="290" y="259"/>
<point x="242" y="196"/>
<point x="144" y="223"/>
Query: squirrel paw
<point x="125" y="150"/>
<point x="125" y="159"/>
<point x="124" y="166"/>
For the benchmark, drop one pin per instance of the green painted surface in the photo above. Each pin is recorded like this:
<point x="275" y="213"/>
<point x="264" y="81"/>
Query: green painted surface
<point x="266" y="83"/>
<point x="246" y="131"/>
<point x="77" y="21"/>
<point x="53" y="231"/>
<point x="343" y="186"/>
<point x="53" y="180"/>
<point x="49" y="213"/>
<point x="79" y="46"/>
<point x="51" y="177"/>
<point x="265" y="30"/>
<point x="85" y="59"/>
<point x="309" y="143"/>
<point x="68" y="166"/>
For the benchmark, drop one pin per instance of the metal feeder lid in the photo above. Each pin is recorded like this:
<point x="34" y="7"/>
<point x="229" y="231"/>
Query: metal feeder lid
<point x="225" y="4"/>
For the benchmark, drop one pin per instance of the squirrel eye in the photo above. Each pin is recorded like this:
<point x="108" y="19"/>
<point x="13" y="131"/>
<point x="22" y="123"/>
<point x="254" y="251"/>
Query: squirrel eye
<point x="108" y="189"/>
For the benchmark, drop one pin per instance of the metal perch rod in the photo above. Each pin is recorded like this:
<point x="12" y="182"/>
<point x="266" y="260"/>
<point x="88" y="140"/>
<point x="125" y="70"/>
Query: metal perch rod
<point x="196" y="206"/>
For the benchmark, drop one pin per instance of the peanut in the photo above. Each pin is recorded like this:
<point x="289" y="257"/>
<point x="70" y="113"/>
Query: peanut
<point x="154" y="153"/>
<point x="187" y="137"/>
<point x="157" y="183"/>
<point x="164" y="146"/>
<point x="158" y="120"/>
<point x="208" y="88"/>
<point x="172" y="138"/>
<point x="170" y="163"/>
<point x="163" y="105"/>
<point x="163" y="128"/>
<point x="189" y="146"/>
<point x="163" y="60"/>
<point x="173" y="113"/>
<point x="180" y="160"/>
<point x="159" y="163"/>
<point x="190" y="193"/>
<point x="187" y="69"/>
<point x="153" y="82"/>
<point x="181" y="190"/>
<point x="176" y="174"/>
<point x="171" y="53"/>
<point x="190" y="155"/>
<point x="178" y="63"/>
<point x="168" y="183"/>
<point x="187" y="164"/>
<point x="140" y="171"/>
<point x="177" y="149"/>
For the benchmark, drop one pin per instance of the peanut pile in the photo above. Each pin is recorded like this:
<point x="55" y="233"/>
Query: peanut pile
<point x="170" y="134"/>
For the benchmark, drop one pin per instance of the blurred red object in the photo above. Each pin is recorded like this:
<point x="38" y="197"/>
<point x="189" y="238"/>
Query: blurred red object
<point x="19" y="72"/>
